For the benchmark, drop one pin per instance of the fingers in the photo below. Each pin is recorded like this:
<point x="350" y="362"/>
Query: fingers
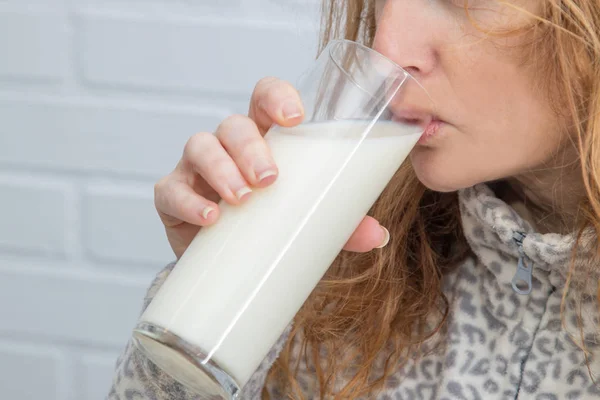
<point x="275" y="101"/>
<point x="176" y="202"/>
<point x="368" y="236"/>
<point x="242" y="140"/>
<point x="235" y="159"/>
<point x="205" y="156"/>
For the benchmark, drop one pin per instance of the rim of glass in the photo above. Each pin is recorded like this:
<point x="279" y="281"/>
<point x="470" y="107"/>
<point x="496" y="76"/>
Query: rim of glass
<point x="379" y="55"/>
<point x="195" y="356"/>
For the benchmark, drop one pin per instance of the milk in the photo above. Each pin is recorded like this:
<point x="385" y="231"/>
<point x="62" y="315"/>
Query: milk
<point x="241" y="281"/>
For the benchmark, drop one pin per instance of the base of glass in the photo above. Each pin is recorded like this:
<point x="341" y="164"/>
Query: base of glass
<point x="184" y="362"/>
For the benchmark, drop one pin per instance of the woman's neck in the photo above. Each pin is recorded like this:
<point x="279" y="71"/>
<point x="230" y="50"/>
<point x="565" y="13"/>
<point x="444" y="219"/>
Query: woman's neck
<point x="552" y="194"/>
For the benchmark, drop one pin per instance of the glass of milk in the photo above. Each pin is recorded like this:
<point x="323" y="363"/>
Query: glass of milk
<point x="241" y="281"/>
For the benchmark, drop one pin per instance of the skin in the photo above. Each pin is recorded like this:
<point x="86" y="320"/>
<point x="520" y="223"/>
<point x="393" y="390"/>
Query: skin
<point x="493" y="130"/>
<point x="495" y="124"/>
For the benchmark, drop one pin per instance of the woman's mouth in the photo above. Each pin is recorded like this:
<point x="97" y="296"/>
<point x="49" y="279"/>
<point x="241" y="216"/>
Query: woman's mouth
<point x="427" y="121"/>
<point x="431" y="131"/>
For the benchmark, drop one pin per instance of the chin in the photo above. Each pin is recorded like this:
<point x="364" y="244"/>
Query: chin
<point x="437" y="177"/>
<point x="433" y="184"/>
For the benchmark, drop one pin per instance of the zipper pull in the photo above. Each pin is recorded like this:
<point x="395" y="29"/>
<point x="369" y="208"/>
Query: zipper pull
<point x="521" y="282"/>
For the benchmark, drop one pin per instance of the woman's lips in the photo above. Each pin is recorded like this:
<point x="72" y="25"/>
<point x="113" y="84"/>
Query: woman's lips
<point x="430" y="131"/>
<point x="429" y="123"/>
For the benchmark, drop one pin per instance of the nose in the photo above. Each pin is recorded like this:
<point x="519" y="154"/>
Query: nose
<point x="405" y="35"/>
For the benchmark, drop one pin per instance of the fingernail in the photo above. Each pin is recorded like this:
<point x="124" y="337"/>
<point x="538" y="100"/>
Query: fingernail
<point x="266" y="174"/>
<point x="291" y="110"/>
<point x="243" y="192"/>
<point x="386" y="238"/>
<point x="206" y="212"/>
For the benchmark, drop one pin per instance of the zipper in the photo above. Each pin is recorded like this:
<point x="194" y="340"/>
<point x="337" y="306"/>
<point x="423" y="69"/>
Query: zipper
<point x="521" y="281"/>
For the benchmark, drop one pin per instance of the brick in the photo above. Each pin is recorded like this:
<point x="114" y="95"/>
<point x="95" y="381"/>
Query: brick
<point x="33" y="215"/>
<point x="299" y="11"/>
<point x="305" y="13"/>
<point x="122" y="224"/>
<point x="33" y="45"/>
<point x="169" y="6"/>
<point x="310" y="8"/>
<point x="123" y="140"/>
<point x="113" y="91"/>
<point x="79" y="309"/>
<point x="216" y="56"/>
<point x="29" y="372"/>
<point x="98" y="371"/>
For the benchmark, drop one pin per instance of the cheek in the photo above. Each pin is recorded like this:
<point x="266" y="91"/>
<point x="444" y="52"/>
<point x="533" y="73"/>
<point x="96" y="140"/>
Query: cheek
<point x="464" y="159"/>
<point x="498" y="125"/>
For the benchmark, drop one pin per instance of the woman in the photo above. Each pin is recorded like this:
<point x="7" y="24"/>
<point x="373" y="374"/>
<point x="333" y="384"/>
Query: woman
<point x="506" y="189"/>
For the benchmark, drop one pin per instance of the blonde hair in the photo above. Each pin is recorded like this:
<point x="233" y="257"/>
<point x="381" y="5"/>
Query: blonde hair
<point x="381" y="304"/>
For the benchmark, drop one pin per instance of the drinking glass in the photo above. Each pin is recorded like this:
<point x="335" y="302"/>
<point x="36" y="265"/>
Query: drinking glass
<point x="241" y="281"/>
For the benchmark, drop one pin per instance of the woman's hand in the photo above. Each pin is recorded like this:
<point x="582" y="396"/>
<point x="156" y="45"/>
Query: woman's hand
<point x="229" y="163"/>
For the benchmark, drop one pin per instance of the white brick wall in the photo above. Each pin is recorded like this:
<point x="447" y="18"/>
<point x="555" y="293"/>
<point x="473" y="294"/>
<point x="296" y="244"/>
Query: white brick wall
<point x="19" y="360"/>
<point x="97" y="98"/>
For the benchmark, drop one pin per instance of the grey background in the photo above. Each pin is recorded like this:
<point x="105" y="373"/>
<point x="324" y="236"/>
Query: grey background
<point x="97" y="98"/>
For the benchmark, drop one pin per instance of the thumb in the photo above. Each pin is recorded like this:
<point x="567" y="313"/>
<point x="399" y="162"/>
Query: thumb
<point x="368" y="236"/>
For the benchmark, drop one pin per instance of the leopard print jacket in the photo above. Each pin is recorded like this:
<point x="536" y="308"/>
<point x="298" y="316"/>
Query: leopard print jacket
<point x="498" y="344"/>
